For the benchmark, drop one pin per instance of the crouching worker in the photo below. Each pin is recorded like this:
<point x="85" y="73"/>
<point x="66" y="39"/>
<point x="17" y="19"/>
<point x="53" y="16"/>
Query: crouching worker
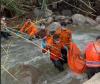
<point x="52" y="43"/>
<point x="29" y="28"/>
<point x="92" y="54"/>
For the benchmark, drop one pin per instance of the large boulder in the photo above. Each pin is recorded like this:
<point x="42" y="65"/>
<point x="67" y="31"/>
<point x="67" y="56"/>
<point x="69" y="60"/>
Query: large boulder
<point x="94" y="80"/>
<point x="78" y="19"/>
<point x="25" y="74"/>
<point x="98" y="19"/>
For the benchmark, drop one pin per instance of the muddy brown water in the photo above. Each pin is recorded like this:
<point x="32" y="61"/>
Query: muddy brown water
<point x="26" y="62"/>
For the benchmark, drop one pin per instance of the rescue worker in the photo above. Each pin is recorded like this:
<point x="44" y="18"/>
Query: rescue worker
<point x="52" y="43"/>
<point x="29" y="28"/>
<point x="92" y="55"/>
<point x="4" y="33"/>
<point x="66" y="38"/>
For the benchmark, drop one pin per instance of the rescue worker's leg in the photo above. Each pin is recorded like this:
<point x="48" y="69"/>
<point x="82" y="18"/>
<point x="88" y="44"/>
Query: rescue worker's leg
<point x="64" y="55"/>
<point x="58" y="64"/>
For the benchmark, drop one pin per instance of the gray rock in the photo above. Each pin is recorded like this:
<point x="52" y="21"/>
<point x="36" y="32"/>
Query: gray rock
<point x="98" y="19"/>
<point x="98" y="27"/>
<point x="94" y="80"/>
<point x="25" y="74"/>
<point x="53" y="26"/>
<point x="41" y="13"/>
<point x="78" y="19"/>
<point x="67" y="12"/>
<point x="37" y="12"/>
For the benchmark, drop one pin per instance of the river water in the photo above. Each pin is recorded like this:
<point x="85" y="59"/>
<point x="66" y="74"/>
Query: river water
<point x="29" y="66"/>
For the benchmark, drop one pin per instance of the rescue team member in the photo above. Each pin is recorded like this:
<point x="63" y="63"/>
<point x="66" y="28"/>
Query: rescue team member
<point x="92" y="54"/>
<point x="4" y="33"/>
<point x="66" y="38"/>
<point x="29" y="28"/>
<point x="52" y="43"/>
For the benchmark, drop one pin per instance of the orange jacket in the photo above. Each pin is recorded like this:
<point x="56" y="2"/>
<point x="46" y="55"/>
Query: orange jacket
<point x="92" y="55"/>
<point x="32" y="30"/>
<point x="55" y="49"/>
<point x="65" y="35"/>
<point x="75" y="62"/>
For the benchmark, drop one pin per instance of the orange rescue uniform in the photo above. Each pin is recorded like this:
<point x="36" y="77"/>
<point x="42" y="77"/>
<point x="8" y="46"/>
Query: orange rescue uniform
<point x="75" y="62"/>
<point x="29" y="28"/>
<point x="54" y="48"/>
<point x="65" y="36"/>
<point x="92" y="55"/>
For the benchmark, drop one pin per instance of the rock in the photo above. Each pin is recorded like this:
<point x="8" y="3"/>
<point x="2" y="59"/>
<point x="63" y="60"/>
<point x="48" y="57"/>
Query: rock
<point x="98" y="19"/>
<point x="94" y="80"/>
<point x="41" y="13"/>
<point x="49" y="20"/>
<point x="53" y="26"/>
<point x="26" y="74"/>
<point x="98" y="27"/>
<point x="37" y="12"/>
<point x="78" y="19"/>
<point x="91" y="21"/>
<point x="48" y="13"/>
<point x="66" y="12"/>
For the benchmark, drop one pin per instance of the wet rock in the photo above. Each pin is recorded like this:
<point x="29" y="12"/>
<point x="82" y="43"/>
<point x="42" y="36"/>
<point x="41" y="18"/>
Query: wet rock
<point x="67" y="12"/>
<point x="94" y="80"/>
<point x="26" y="74"/>
<point x="91" y="21"/>
<point x="53" y="26"/>
<point x="78" y="19"/>
<point x="98" y="19"/>
<point x="97" y="27"/>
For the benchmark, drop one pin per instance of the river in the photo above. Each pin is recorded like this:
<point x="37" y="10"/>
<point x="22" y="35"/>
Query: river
<point x="29" y="65"/>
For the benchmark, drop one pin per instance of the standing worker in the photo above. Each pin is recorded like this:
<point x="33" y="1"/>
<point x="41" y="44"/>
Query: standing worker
<point x="92" y="54"/>
<point x="66" y="38"/>
<point x="52" y="43"/>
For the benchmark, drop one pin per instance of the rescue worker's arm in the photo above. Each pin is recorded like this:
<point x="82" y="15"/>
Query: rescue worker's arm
<point x="43" y="46"/>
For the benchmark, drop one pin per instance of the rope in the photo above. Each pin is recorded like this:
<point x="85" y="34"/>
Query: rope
<point x="9" y="72"/>
<point x="33" y="43"/>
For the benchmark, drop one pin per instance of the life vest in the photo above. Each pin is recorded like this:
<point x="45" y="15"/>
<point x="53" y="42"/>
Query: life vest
<point x="65" y="35"/>
<point x="92" y="55"/>
<point x="25" y="26"/>
<point x="55" y="49"/>
<point x="75" y="62"/>
<point x="30" y="29"/>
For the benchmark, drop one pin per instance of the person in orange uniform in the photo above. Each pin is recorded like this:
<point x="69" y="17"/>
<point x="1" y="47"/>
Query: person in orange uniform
<point x="75" y="62"/>
<point x="66" y="38"/>
<point x="92" y="54"/>
<point x="29" y="28"/>
<point x="52" y="43"/>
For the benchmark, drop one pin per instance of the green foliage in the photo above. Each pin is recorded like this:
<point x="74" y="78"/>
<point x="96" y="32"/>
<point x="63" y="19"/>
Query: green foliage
<point x="12" y="5"/>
